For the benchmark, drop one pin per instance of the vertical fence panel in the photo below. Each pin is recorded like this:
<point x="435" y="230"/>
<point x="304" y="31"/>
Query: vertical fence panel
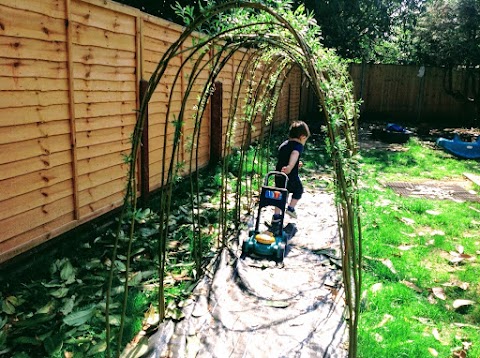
<point x="104" y="70"/>
<point x="36" y="194"/>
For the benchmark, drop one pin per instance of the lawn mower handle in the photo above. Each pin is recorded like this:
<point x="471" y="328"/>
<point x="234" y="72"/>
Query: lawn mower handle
<point x="274" y="172"/>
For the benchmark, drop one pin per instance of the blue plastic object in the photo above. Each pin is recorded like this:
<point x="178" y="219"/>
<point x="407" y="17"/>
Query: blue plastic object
<point x="459" y="148"/>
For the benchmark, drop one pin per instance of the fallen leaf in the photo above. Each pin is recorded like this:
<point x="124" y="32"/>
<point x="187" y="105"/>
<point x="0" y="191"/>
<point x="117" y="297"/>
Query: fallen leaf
<point x="431" y="299"/>
<point x="406" y="247"/>
<point x="433" y="352"/>
<point x="385" y="320"/>
<point x="389" y="264"/>
<point x="460" y="354"/>
<point x="376" y="287"/>
<point x="407" y="221"/>
<point x="439" y="293"/>
<point x="461" y="303"/>
<point x="436" y="334"/>
<point x="412" y="286"/>
<point x="433" y="212"/>
<point x="460" y="257"/>
<point x="378" y="337"/>
<point x="459" y="248"/>
<point x="463" y="285"/>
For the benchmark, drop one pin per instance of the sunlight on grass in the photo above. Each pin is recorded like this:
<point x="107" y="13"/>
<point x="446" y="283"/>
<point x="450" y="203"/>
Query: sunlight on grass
<point x="420" y="256"/>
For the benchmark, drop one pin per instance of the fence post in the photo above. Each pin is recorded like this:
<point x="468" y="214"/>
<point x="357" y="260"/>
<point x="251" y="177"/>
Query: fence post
<point x="144" y="153"/>
<point x="216" y="124"/>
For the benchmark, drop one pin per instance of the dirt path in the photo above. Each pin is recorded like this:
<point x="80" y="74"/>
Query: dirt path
<point x="254" y="308"/>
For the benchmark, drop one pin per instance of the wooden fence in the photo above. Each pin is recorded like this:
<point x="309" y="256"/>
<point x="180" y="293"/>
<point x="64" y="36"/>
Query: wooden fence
<point x="69" y="79"/>
<point x="410" y="94"/>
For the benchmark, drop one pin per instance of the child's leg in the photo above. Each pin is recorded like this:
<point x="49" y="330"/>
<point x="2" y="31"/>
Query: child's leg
<point x="293" y="203"/>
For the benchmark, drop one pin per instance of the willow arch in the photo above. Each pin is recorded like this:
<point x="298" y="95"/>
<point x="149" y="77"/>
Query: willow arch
<point x="276" y="40"/>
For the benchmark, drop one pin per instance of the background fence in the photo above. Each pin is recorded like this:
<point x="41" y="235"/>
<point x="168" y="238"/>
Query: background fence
<point x="411" y="94"/>
<point x="70" y="74"/>
<point x="69" y="79"/>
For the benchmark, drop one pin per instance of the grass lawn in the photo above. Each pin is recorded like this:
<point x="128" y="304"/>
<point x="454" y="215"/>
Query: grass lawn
<point x="421" y="279"/>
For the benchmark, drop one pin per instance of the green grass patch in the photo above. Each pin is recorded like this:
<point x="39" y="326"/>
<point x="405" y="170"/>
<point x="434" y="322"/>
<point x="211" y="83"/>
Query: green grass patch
<point x="420" y="258"/>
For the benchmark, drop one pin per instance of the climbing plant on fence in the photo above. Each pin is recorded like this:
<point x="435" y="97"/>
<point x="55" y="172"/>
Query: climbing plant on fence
<point x="274" y="39"/>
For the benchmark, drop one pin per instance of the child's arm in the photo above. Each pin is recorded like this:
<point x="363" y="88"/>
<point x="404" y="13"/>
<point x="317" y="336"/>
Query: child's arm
<point x="291" y="162"/>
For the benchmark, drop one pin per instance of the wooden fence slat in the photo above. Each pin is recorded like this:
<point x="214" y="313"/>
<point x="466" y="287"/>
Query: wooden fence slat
<point x="34" y="218"/>
<point x="19" y="168"/>
<point x="54" y="8"/>
<point x="92" y="110"/>
<point x="13" y="152"/>
<point x="119" y="146"/>
<point x="21" y="133"/>
<point x="32" y="68"/>
<point x="94" y="194"/>
<point x="34" y="199"/>
<point x="89" y="36"/>
<point x="36" y="236"/>
<point x="26" y="115"/>
<point x="89" y="55"/>
<point x="102" y="18"/>
<point x="83" y="84"/>
<point x="33" y="84"/>
<point x="27" y="24"/>
<point x="93" y="179"/>
<point x="13" y="187"/>
<point x="33" y="49"/>
<point x="11" y="99"/>
<point x="101" y="206"/>
<point x="90" y="165"/>
<point x="92" y="124"/>
<point x="101" y="136"/>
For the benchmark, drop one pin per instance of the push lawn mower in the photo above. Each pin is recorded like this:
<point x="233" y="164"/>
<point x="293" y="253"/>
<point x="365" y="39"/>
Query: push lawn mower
<point x="272" y="242"/>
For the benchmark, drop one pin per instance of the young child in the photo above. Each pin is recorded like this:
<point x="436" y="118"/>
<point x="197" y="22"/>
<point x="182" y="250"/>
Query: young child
<point x="288" y="162"/>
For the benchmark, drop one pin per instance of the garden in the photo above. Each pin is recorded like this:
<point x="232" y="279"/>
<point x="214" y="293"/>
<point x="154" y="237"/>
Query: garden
<point x="398" y="268"/>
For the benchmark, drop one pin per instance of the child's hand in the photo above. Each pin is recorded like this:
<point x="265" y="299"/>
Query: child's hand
<point x="286" y="170"/>
<point x="300" y="164"/>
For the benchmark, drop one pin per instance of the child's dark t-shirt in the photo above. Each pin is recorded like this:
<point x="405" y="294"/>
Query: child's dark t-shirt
<point x="284" y="151"/>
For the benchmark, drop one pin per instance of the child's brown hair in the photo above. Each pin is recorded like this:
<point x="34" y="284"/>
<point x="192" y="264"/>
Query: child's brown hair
<point x="297" y="129"/>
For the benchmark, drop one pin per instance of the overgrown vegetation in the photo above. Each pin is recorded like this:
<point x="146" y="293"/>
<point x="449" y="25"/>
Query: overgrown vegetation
<point x="56" y="306"/>
<point x="421" y="287"/>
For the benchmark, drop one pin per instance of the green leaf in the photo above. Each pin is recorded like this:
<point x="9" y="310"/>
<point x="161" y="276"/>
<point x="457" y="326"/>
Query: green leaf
<point x="120" y="266"/>
<point x="67" y="273"/>
<point x="51" y="284"/>
<point x="80" y="317"/>
<point x="53" y="344"/>
<point x="7" y="307"/>
<point x="60" y="293"/>
<point x="68" y="305"/>
<point x="2" y="322"/>
<point x="48" y="308"/>
<point x="97" y="348"/>
<point x="35" y="320"/>
<point x="27" y="340"/>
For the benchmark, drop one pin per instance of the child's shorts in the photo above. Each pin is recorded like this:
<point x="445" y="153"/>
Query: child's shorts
<point x="294" y="186"/>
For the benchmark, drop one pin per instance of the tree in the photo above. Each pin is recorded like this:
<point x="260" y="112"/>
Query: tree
<point x="448" y="36"/>
<point x="366" y="30"/>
